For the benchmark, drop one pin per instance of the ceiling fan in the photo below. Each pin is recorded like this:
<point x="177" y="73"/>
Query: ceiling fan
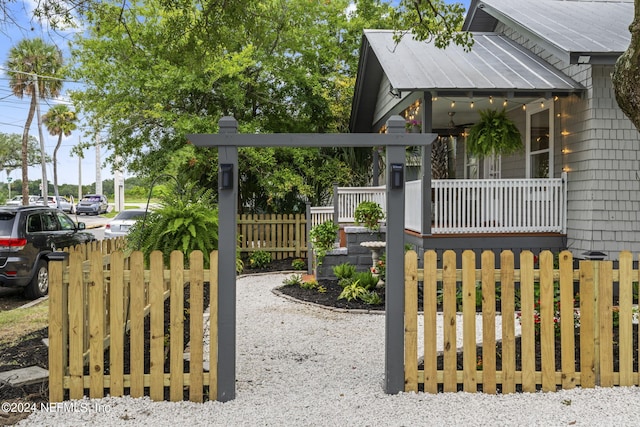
<point x="453" y="126"/>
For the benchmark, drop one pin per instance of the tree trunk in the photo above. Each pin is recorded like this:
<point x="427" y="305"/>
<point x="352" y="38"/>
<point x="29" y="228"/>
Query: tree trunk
<point x="25" y="152"/>
<point x="626" y="73"/>
<point x="55" y="168"/>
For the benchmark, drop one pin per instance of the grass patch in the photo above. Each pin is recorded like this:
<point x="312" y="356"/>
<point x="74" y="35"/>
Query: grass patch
<point x="19" y="322"/>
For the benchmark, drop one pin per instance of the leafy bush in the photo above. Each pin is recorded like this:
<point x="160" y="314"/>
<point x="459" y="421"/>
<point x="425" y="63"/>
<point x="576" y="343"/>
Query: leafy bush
<point x="323" y="236"/>
<point x="185" y="221"/>
<point x="259" y="259"/>
<point x="353" y="291"/>
<point x="298" y="264"/>
<point x="294" y="279"/>
<point x="344" y="270"/>
<point x="366" y="279"/>
<point x="368" y="214"/>
<point x="372" y="298"/>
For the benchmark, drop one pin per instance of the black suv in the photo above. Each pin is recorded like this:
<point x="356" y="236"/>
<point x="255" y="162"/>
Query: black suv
<point x="27" y="235"/>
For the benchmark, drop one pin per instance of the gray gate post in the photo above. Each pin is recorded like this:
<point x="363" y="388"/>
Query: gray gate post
<point x="394" y="326"/>
<point x="227" y="242"/>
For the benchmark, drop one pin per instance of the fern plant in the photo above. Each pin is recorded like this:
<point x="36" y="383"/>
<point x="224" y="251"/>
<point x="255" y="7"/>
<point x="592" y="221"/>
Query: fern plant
<point x="186" y="221"/>
<point x="495" y="133"/>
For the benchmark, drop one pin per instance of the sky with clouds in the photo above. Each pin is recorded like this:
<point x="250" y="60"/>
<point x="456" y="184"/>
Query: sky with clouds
<point x="13" y="111"/>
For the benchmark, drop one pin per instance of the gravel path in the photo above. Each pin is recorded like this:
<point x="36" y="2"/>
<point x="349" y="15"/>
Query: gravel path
<point x="299" y="365"/>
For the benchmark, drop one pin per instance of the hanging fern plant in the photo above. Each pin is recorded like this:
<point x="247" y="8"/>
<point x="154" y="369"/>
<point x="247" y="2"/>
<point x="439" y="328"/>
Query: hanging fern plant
<point x="495" y="133"/>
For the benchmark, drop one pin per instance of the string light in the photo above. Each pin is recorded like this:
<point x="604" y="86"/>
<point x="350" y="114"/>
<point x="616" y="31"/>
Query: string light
<point x="524" y="107"/>
<point x="453" y="104"/>
<point x="472" y="104"/>
<point x="504" y="103"/>
<point x="541" y="104"/>
<point x="491" y="100"/>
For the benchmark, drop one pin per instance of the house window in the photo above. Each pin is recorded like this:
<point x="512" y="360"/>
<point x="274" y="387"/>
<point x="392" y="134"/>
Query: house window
<point x="539" y="140"/>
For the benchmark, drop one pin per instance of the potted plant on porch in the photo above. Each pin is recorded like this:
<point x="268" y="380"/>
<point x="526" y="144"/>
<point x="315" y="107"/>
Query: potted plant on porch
<point x="368" y="214"/>
<point x="494" y="134"/>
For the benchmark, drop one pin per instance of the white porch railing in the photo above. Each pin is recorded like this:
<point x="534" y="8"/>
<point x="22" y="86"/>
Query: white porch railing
<point x="350" y="197"/>
<point x="320" y="214"/>
<point x="491" y="206"/>
<point x="471" y="205"/>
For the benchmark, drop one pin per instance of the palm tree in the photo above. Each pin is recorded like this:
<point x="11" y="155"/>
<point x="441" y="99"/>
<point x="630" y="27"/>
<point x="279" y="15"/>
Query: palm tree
<point x="33" y="64"/>
<point x="60" y="121"/>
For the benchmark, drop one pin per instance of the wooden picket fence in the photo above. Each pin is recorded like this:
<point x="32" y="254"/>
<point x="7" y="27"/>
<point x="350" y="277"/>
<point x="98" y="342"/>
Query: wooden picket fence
<point x="283" y="235"/>
<point x="603" y="360"/>
<point x="99" y="301"/>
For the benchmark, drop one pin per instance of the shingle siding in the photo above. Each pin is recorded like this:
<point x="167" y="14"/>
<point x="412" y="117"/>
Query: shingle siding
<point x="602" y="160"/>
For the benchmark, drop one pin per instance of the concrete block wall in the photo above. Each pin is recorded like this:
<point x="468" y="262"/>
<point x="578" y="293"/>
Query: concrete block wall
<point x="353" y="253"/>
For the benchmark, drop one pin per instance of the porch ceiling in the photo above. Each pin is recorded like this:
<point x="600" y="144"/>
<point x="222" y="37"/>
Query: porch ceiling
<point x="495" y="67"/>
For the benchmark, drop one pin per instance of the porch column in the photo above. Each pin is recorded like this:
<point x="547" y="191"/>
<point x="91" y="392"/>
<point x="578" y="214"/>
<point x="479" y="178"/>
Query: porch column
<point x="394" y="319"/>
<point x="227" y="241"/>
<point x="425" y="185"/>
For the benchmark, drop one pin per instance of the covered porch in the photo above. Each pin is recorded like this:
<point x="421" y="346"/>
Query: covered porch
<point x="464" y="206"/>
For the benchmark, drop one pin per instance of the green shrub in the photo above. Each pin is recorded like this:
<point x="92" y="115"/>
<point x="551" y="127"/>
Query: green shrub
<point x="368" y="214"/>
<point x="294" y="279"/>
<point x="353" y="291"/>
<point x="323" y="236"/>
<point x="259" y="259"/>
<point x="344" y="270"/>
<point x="366" y="279"/>
<point x="298" y="264"/>
<point x="372" y="298"/>
<point x="186" y="220"/>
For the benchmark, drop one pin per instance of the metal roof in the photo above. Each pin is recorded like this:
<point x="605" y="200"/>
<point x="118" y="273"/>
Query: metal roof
<point x="569" y="29"/>
<point x="495" y="63"/>
<point x="496" y="66"/>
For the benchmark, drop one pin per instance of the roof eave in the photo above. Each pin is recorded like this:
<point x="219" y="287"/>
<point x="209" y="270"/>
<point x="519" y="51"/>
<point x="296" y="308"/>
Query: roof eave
<point x="594" y="58"/>
<point x="553" y="49"/>
<point x="362" y="107"/>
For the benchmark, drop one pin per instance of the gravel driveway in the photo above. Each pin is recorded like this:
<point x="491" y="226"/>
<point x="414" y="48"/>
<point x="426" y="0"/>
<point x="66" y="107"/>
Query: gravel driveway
<point x="299" y="365"/>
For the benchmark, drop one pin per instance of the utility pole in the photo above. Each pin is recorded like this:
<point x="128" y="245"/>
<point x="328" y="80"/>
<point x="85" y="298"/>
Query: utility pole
<point x="118" y="188"/>
<point x="98" y="169"/>
<point x="80" y="157"/>
<point x="43" y="160"/>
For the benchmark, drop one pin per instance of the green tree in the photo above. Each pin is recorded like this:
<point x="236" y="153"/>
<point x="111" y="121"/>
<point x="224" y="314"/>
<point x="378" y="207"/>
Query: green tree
<point x="60" y="121"/>
<point x="11" y="151"/>
<point x="279" y="66"/>
<point x="432" y="20"/>
<point x="32" y="64"/>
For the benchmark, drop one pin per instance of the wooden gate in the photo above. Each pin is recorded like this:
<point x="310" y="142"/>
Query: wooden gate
<point x="104" y="307"/>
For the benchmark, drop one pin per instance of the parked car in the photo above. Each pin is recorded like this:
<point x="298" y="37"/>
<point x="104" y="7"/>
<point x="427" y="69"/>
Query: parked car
<point x="65" y="204"/>
<point x="17" y="201"/>
<point x="121" y="223"/>
<point x="92" y="204"/>
<point x="28" y="234"/>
